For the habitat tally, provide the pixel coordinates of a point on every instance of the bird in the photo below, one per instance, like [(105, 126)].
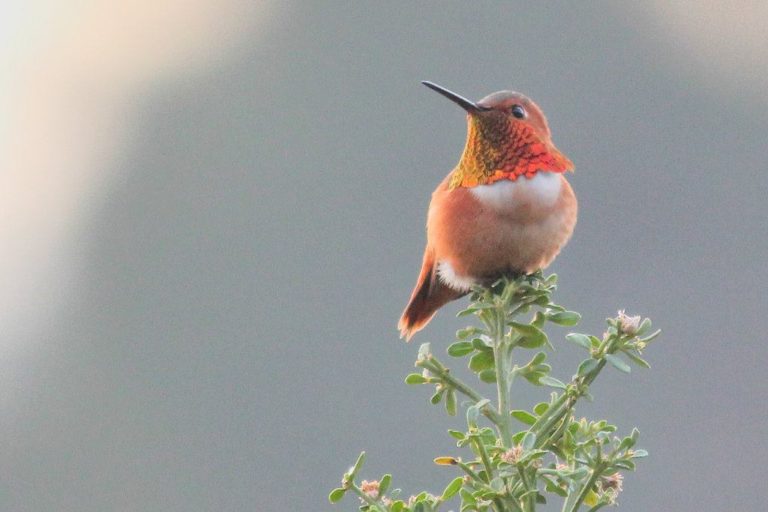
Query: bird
[(506, 208)]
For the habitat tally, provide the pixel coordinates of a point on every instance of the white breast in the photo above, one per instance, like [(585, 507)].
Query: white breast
[(543, 189)]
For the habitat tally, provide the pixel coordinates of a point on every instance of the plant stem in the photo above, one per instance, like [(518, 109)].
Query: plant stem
[(550, 417), (514, 503), (559, 431), (529, 504), (433, 366), (571, 403), (469, 471), (484, 457), (501, 358), (562, 407)]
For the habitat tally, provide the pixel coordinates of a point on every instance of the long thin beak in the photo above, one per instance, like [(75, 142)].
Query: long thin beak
[(469, 106)]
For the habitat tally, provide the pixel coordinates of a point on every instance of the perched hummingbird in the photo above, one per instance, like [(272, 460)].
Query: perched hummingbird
[(505, 209)]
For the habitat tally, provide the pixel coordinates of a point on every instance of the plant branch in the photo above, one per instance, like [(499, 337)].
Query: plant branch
[(501, 360), (569, 458), (444, 374), (529, 504), (469, 471), (480, 447)]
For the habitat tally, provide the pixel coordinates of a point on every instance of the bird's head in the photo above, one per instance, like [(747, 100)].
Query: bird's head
[(507, 138)]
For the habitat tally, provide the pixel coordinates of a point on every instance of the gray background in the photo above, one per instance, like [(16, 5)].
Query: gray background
[(229, 341)]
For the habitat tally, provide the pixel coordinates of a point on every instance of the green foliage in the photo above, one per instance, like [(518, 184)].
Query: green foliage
[(554, 455)]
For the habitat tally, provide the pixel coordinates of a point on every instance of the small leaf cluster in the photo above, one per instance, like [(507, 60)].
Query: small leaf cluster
[(376, 497), (518, 459)]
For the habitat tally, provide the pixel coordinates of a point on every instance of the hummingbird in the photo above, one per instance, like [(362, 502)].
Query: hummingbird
[(505, 209)]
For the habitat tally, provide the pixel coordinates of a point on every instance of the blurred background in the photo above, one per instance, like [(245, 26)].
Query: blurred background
[(213, 213)]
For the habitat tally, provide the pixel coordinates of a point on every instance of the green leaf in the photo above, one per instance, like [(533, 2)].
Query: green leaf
[(617, 363), (357, 466), (582, 340), (450, 402), (437, 397), (384, 484), (554, 488), (639, 361), (467, 498), (625, 464), (488, 376), (529, 440), (336, 495), (479, 344), (651, 336), (463, 334), (639, 454), (578, 474), (533, 341), (516, 438), (460, 348), (645, 326), (524, 416), (457, 435), (532, 336), (473, 413), (482, 403), (415, 378), (397, 506), (566, 318), (452, 488), (587, 366), (481, 361), (540, 408), (546, 380), (533, 454), (534, 377), (626, 443), (531, 492)]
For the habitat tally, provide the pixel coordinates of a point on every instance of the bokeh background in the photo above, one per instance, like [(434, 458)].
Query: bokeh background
[(212, 215)]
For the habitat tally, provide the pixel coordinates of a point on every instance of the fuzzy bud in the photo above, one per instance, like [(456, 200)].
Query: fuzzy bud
[(512, 455), (370, 488)]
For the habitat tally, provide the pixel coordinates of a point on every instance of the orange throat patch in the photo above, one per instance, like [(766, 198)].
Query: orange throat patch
[(492, 155)]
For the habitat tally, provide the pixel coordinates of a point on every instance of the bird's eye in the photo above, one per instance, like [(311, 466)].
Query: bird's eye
[(518, 111)]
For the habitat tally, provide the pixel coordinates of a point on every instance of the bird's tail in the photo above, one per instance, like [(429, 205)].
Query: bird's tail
[(429, 295)]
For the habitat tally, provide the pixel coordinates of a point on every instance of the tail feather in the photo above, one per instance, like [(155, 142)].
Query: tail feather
[(429, 295)]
